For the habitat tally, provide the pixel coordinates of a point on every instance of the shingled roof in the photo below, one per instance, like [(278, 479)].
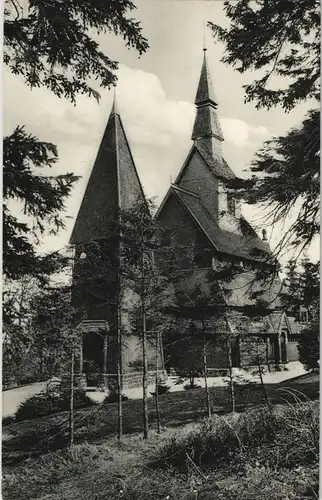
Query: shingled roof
[(215, 161), (245, 244), (113, 184), (205, 91), (237, 293), (206, 123)]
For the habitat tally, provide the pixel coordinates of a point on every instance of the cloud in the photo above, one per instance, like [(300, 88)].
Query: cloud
[(158, 130), (241, 134)]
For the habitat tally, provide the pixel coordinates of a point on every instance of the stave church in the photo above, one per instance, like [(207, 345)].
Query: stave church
[(201, 211)]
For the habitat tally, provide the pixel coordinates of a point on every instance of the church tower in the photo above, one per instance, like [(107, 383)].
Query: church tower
[(113, 185), (200, 209)]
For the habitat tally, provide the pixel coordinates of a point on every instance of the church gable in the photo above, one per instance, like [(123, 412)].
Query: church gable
[(184, 229), (198, 178), (244, 243)]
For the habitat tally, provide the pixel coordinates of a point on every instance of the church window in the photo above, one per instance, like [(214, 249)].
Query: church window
[(231, 204)]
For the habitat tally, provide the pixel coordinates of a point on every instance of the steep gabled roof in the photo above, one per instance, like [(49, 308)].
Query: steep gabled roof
[(114, 183), (216, 163), (245, 245)]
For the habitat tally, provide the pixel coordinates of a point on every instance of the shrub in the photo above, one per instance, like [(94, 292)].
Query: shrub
[(138, 365), (10, 419), (28, 379), (309, 346), (288, 436), (52, 400), (189, 386), (162, 389)]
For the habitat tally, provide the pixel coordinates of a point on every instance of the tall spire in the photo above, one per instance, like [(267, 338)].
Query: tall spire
[(206, 121), (115, 110), (114, 183)]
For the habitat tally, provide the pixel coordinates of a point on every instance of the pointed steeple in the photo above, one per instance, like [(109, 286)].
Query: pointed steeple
[(205, 91), (114, 183), (206, 123), (114, 110)]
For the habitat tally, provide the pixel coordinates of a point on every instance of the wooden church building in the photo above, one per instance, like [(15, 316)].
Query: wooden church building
[(113, 186), (200, 211)]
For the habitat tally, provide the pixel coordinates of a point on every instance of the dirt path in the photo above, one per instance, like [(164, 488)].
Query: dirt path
[(12, 398)]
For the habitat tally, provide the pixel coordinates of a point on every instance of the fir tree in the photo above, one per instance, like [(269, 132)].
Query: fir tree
[(51, 44), (280, 38)]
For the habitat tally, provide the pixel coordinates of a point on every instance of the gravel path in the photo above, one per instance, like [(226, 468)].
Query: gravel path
[(12, 398)]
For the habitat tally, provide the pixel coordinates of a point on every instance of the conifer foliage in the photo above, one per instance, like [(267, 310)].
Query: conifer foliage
[(281, 38), (303, 299), (42, 198), (51, 44)]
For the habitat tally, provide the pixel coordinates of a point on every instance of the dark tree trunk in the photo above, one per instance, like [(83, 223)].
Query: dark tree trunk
[(119, 378), (264, 388), (231, 378), (267, 354), (71, 401), (157, 409), (145, 375), (208, 405)]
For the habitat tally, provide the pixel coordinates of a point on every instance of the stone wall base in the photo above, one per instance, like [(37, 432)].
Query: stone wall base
[(130, 380)]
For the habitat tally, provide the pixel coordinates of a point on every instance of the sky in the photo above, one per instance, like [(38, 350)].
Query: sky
[(155, 95)]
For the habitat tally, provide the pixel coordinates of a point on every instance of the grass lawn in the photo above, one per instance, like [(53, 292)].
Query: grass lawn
[(247, 456), (95, 424)]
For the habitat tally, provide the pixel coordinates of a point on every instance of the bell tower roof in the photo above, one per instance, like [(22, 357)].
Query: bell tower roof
[(205, 91), (206, 122), (113, 184)]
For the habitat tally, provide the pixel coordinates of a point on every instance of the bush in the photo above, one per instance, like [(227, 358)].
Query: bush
[(162, 389), (28, 379), (288, 436), (8, 420), (309, 346), (50, 401), (189, 386), (138, 365)]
